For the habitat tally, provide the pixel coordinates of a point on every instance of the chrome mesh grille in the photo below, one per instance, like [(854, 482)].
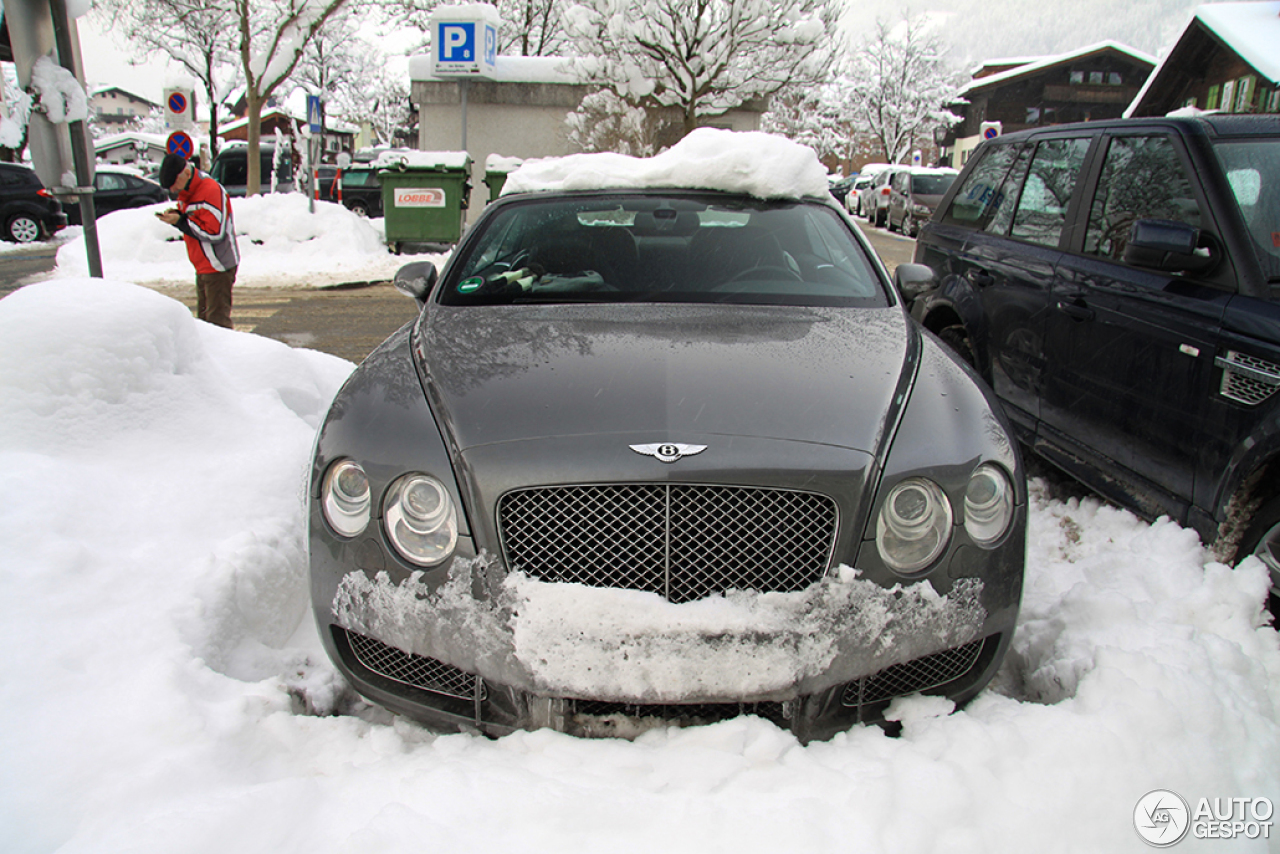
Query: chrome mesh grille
[(1248, 379), (692, 713), (683, 542), (913, 676), (418, 671)]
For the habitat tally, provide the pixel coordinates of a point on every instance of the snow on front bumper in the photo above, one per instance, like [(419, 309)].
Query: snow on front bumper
[(569, 640)]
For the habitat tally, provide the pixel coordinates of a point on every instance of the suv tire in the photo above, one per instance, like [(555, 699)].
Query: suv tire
[(1262, 538), (957, 339)]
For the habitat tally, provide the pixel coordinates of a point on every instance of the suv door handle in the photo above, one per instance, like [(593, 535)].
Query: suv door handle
[(1076, 310), (979, 277)]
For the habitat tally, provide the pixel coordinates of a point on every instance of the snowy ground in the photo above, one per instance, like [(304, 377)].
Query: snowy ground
[(282, 245), (162, 680)]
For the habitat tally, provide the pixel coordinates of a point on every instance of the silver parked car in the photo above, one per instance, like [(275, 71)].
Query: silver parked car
[(663, 456), (914, 194)]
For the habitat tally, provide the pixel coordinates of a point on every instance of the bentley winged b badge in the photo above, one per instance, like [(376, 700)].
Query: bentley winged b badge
[(668, 452)]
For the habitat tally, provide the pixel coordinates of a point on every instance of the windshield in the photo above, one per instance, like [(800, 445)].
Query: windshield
[(1253, 173), (668, 248)]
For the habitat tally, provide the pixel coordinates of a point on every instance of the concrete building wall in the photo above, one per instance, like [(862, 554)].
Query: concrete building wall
[(514, 119)]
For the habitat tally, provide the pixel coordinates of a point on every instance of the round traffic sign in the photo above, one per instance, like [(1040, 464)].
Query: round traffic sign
[(177, 102), (180, 143), (990, 133)]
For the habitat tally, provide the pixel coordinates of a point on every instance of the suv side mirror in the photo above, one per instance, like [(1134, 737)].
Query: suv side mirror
[(1171, 247), (416, 280), (912, 280)]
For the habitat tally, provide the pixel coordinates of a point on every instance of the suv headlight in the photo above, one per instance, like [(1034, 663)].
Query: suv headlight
[(344, 498), (914, 524), (921, 210), (988, 504), (421, 519)]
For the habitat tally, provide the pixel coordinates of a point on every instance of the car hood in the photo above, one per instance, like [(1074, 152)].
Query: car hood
[(659, 373)]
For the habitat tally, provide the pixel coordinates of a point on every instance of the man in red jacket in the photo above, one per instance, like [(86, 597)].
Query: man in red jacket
[(203, 215)]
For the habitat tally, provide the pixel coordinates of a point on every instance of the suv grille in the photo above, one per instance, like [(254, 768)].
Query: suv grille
[(911, 677), (682, 542), (1247, 379), (418, 671)]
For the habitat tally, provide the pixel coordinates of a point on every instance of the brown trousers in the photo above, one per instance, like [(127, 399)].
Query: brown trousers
[(213, 297)]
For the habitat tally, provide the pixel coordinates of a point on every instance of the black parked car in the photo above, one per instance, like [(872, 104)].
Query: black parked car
[(1118, 284), (28, 212), (118, 189), (662, 455), (361, 192)]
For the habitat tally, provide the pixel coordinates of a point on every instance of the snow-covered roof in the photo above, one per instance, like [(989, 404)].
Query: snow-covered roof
[(1251, 29), (759, 164), (1051, 61), (106, 90), (116, 140), (330, 125), (507, 69)]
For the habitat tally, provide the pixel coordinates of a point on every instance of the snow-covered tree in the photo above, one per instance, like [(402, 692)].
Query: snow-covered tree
[(811, 116), (382, 103), (699, 57), (896, 85), (198, 35), (272, 37), (605, 122)]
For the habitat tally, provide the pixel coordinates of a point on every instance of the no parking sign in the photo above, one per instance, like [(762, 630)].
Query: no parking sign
[(179, 107), (180, 143)]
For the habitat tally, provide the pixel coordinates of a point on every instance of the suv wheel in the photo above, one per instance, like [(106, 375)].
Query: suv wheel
[(909, 226), (957, 339), (1262, 539), (359, 209), (23, 228)]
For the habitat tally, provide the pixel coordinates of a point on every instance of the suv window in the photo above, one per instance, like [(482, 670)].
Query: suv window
[(1253, 174), (1142, 178), (1046, 193), (982, 196)]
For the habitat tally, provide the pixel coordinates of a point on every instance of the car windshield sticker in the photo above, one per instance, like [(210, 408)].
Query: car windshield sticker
[(467, 286)]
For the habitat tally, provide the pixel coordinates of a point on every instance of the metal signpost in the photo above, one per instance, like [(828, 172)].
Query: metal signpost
[(466, 47), (314, 142)]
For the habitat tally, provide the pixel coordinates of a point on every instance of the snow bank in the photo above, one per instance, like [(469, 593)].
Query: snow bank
[(759, 164), (281, 244), (160, 685)]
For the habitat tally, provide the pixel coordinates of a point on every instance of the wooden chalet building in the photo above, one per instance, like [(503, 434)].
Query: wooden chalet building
[(1227, 59)]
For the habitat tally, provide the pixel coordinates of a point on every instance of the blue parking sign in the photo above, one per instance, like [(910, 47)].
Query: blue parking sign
[(456, 43)]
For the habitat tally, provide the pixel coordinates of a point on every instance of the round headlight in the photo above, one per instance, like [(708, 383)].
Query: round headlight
[(344, 498), (914, 524), (421, 520), (988, 504)]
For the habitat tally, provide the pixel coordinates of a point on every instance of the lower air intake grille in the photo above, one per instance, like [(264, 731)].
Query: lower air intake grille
[(683, 542), (913, 676), (417, 671), (697, 713)]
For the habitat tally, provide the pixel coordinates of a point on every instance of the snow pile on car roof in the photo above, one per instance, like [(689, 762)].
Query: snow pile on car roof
[(758, 164)]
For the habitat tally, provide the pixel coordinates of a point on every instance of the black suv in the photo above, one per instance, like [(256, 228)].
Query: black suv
[(1118, 285), (28, 211)]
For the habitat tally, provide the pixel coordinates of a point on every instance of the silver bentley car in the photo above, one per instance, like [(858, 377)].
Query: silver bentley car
[(657, 457)]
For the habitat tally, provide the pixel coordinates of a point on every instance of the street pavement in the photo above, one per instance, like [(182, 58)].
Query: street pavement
[(347, 322)]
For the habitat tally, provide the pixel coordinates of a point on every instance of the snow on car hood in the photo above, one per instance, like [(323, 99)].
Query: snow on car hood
[(610, 644), (513, 373)]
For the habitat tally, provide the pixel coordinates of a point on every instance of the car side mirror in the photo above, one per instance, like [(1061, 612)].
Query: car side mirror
[(912, 280), (1171, 247), (416, 280)]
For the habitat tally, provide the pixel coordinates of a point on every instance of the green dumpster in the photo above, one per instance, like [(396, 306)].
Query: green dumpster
[(494, 181), (496, 169), (424, 197)]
